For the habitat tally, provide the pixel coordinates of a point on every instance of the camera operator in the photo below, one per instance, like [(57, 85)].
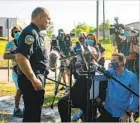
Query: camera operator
[(125, 48), (134, 51), (68, 44), (116, 30)]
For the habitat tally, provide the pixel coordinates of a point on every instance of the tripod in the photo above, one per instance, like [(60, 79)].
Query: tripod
[(57, 85)]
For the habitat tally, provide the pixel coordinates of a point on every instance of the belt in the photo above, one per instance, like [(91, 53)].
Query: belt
[(45, 73), (40, 72)]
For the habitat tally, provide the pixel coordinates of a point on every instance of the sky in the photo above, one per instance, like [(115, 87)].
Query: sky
[(66, 14)]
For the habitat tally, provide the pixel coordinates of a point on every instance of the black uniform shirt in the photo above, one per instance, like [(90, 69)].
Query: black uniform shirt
[(32, 46)]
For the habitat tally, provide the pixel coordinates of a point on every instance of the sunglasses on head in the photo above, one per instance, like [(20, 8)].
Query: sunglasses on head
[(89, 38), (16, 31)]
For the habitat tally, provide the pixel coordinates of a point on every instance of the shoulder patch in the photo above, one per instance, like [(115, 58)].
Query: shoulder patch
[(29, 39)]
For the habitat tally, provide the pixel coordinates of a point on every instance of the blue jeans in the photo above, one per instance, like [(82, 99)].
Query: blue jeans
[(15, 79)]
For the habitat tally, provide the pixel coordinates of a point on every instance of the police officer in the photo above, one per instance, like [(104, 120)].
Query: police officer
[(33, 62)]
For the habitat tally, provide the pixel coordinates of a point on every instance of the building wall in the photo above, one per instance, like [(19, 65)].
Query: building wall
[(13, 22), (135, 25)]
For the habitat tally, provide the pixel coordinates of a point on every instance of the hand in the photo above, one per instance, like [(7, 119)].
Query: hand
[(37, 84), (124, 118)]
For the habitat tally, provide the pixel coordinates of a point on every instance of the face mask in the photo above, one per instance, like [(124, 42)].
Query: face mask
[(126, 33), (115, 65), (90, 42), (16, 35)]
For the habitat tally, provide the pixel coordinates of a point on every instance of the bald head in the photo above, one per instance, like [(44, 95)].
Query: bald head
[(37, 11), (40, 16)]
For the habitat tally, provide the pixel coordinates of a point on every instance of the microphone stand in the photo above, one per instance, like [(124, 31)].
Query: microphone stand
[(107, 74), (102, 70), (56, 89), (70, 99), (90, 79)]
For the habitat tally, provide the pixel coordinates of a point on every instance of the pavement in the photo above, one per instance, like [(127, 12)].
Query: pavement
[(7, 104)]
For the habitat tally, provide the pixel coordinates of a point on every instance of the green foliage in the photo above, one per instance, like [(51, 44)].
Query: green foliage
[(106, 26), (105, 41), (91, 30), (109, 48), (50, 30), (2, 46), (74, 40), (109, 51), (83, 28)]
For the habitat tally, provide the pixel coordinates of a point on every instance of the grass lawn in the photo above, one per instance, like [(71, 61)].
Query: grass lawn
[(3, 63), (8, 89), (109, 51), (2, 46)]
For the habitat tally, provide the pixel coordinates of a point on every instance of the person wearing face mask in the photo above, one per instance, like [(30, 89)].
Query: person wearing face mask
[(134, 53), (61, 42), (125, 48), (120, 103), (91, 39), (10, 54), (90, 43)]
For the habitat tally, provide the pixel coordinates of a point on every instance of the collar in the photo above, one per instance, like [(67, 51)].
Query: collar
[(35, 27)]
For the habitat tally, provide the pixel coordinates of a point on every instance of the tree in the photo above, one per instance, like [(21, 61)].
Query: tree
[(50, 30), (91, 30), (83, 28), (106, 26)]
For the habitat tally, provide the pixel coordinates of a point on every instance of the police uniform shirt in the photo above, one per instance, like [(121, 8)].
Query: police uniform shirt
[(32, 46)]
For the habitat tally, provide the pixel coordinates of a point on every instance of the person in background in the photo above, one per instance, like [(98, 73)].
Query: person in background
[(134, 52), (54, 42), (68, 42), (10, 51), (125, 48), (63, 52)]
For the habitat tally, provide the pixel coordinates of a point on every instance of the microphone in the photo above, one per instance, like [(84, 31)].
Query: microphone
[(101, 69)]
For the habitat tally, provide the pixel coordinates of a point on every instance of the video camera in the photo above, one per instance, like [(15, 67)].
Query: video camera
[(67, 39), (135, 37), (117, 28)]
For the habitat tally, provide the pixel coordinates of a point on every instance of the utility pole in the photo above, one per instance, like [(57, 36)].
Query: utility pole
[(8, 35), (74, 28), (104, 19), (97, 20)]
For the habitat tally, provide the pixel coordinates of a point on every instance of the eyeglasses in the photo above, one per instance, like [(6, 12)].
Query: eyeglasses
[(16, 31)]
